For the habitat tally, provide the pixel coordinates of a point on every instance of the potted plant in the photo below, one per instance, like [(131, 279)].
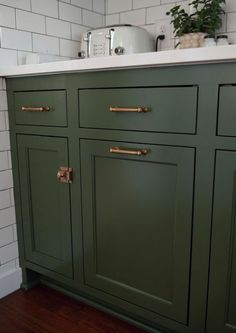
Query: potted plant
[(204, 18)]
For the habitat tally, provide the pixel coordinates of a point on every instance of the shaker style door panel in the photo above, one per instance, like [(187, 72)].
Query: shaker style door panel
[(222, 294), (45, 203), (137, 221)]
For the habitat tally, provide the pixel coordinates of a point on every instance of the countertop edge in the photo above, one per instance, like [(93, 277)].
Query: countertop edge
[(218, 54)]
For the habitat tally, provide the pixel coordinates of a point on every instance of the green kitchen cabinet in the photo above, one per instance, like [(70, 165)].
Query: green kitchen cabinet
[(137, 221), (222, 293), (146, 228), (45, 203)]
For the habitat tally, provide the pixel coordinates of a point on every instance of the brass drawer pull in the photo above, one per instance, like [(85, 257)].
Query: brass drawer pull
[(120, 150), (32, 109), (138, 109)]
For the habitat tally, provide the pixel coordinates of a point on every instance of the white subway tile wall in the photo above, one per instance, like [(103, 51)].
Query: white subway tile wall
[(112, 19), (58, 28), (151, 15), (134, 17), (7, 17), (45, 44), (44, 27), (27, 21), (93, 20), (83, 3), (45, 7), (15, 39), (7, 57), (70, 13), (8, 238), (68, 47), (22, 4), (77, 31), (99, 6)]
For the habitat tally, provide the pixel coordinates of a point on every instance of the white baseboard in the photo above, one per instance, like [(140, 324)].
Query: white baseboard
[(10, 282)]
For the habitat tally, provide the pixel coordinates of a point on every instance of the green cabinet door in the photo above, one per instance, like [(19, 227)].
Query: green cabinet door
[(45, 203), (137, 221), (222, 292)]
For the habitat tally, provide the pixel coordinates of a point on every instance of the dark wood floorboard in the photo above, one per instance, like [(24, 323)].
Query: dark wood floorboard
[(43, 310)]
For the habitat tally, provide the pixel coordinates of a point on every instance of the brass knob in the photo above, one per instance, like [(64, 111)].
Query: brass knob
[(61, 174), (64, 175)]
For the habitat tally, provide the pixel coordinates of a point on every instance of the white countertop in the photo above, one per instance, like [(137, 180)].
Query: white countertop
[(216, 54)]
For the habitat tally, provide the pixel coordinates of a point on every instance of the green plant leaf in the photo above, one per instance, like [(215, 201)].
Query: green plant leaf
[(206, 18)]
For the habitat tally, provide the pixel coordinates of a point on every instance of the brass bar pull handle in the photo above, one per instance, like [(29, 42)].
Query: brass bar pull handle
[(138, 109), (120, 150), (34, 109), (64, 175)]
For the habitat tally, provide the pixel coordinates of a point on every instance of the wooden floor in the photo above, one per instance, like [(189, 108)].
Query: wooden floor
[(43, 310)]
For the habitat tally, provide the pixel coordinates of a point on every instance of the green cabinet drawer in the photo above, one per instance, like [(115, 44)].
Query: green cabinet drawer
[(170, 109), (227, 114), (41, 108)]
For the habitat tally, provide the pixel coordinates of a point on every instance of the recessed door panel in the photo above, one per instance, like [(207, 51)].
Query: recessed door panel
[(222, 292), (137, 224), (45, 203)]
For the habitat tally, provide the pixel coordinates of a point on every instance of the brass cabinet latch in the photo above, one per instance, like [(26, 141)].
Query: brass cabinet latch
[(64, 175)]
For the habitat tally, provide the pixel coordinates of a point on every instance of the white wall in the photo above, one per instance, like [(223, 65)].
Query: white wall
[(151, 14), (51, 28), (10, 276)]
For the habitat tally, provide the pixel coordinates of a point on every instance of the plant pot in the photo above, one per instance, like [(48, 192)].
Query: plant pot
[(192, 40)]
